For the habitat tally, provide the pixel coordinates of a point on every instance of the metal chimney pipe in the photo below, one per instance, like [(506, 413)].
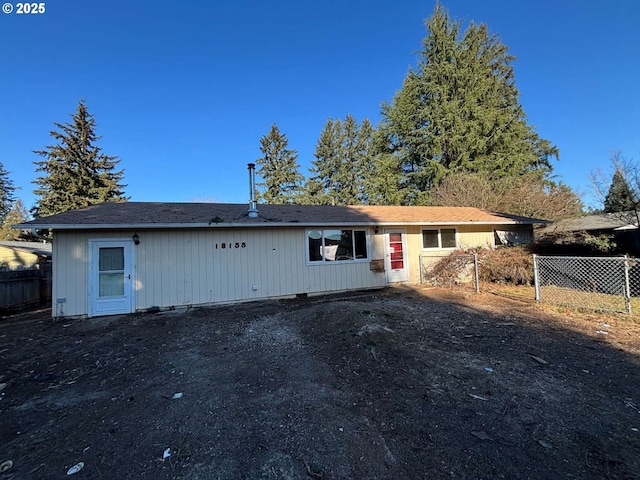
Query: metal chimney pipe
[(253, 210)]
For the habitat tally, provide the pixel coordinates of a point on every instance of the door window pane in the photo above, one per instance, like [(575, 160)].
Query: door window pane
[(395, 251), (111, 258), (111, 284), (111, 272)]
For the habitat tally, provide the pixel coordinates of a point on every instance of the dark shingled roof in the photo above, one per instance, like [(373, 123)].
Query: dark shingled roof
[(599, 222), (180, 215)]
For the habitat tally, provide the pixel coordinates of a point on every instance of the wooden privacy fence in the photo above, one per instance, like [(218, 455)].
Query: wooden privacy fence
[(23, 287)]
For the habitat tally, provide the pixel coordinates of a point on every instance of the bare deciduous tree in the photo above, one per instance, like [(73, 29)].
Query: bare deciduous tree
[(528, 195)]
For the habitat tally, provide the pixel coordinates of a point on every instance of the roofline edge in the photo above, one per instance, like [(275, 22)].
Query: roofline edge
[(149, 226)]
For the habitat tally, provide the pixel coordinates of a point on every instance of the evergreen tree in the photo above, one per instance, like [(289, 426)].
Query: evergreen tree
[(323, 184), (76, 173), (7, 189), (343, 169), (279, 169), (619, 197), (18, 214), (459, 111), (366, 157), (387, 186), (350, 169)]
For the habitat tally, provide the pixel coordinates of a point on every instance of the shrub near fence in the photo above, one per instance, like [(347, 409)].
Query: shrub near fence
[(595, 283), (455, 269), (23, 287)]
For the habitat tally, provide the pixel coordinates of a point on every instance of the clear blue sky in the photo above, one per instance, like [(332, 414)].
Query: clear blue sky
[(182, 91)]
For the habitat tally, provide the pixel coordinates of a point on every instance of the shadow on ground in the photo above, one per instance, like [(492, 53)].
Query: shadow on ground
[(383, 385)]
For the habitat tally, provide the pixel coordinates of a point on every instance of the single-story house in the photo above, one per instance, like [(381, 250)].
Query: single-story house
[(597, 224), (125, 257), (621, 227), (16, 254)]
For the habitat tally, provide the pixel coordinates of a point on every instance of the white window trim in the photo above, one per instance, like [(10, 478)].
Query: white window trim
[(367, 233), (439, 247)]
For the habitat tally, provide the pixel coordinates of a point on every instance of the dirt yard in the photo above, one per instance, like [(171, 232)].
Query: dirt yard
[(394, 384)]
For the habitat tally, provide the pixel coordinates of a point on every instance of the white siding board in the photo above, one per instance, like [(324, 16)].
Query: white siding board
[(209, 268), (223, 271), (176, 268), (69, 267), (70, 270), (238, 286), (167, 274), (201, 261), (183, 264), (140, 289)]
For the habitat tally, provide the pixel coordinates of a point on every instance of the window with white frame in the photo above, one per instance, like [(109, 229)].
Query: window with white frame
[(439, 238), (327, 246)]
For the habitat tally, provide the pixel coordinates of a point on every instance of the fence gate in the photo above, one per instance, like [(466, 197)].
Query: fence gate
[(450, 270), (595, 283)]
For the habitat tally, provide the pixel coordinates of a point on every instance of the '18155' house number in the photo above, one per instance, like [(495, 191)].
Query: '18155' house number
[(231, 245)]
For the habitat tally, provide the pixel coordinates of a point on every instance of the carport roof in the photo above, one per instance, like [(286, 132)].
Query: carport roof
[(191, 215)]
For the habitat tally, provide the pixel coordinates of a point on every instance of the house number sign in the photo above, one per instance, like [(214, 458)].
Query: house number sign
[(231, 245)]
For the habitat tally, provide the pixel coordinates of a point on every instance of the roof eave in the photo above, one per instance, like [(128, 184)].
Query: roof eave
[(147, 226)]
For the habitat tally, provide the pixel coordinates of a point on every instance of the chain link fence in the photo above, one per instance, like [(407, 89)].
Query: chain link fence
[(450, 270), (595, 283)]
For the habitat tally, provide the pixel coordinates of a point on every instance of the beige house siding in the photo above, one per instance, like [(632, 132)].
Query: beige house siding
[(473, 236), (180, 267), (467, 236), (191, 267), (70, 274)]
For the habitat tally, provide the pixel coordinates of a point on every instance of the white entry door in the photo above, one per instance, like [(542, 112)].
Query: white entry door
[(110, 277), (396, 255)]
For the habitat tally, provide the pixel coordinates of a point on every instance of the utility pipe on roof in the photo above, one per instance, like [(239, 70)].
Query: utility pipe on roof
[(253, 210)]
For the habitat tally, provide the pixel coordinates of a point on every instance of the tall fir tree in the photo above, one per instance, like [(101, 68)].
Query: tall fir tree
[(365, 160), (7, 189), (342, 171), (349, 170), (323, 184), (279, 169), (620, 197), (459, 111), (76, 172)]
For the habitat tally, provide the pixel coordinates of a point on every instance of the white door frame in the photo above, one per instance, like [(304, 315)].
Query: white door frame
[(398, 274), (111, 305)]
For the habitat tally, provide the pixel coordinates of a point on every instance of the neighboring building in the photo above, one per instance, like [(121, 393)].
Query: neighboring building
[(602, 223), (25, 274), (15, 254), (621, 227), (124, 257)]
